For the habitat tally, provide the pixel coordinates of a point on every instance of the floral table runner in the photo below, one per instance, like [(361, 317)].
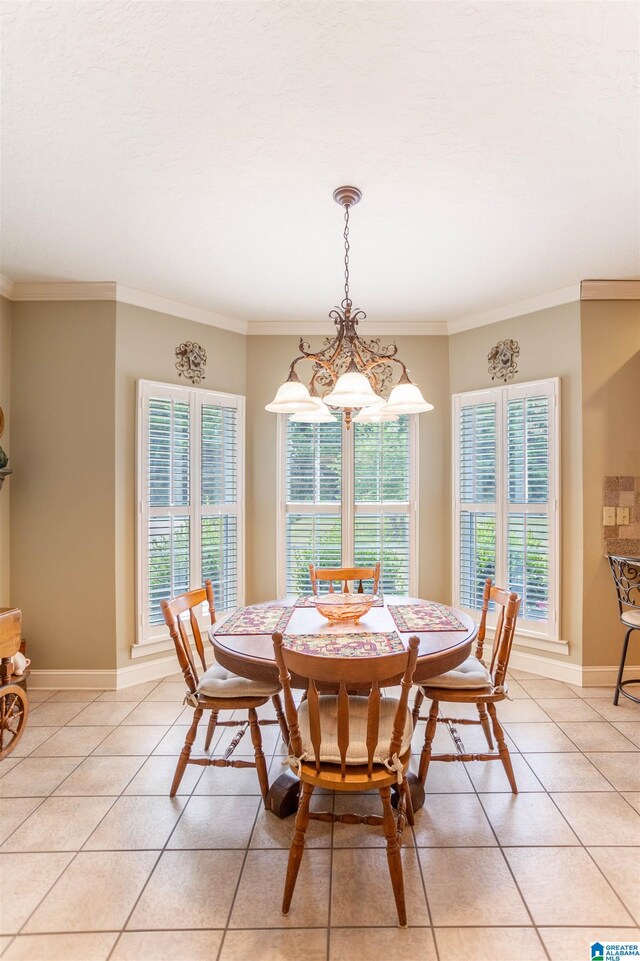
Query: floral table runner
[(256, 620), (425, 617), (344, 645), (304, 600)]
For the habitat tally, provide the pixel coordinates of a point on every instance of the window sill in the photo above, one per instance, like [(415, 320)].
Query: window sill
[(534, 642)]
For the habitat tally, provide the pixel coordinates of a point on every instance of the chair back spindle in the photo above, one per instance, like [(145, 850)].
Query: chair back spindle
[(343, 575), (482, 629), (508, 605), (173, 611)]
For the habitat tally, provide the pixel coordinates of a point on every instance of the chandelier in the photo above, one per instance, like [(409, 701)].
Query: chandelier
[(349, 373)]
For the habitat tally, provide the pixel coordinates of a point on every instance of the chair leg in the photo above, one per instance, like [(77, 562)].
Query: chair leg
[(616, 696), (486, 725), (185, 753), (394, 858), (408, 802), (297, 845), (261, 764), (417, 704), (425, 757), (284, 729), (503, 750), (211, 726)]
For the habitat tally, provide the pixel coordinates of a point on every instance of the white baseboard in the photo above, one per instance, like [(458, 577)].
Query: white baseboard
[(112, 680), (549, 667), (600, 676)]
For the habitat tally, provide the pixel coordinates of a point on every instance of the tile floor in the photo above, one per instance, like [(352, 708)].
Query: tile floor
[(97, 862)]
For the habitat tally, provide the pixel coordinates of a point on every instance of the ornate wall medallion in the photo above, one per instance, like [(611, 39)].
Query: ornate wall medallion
[(502, 360), (192, 360)]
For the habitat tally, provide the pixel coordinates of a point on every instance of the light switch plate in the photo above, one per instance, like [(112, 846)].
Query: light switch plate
[(609, 516), (622, 516)]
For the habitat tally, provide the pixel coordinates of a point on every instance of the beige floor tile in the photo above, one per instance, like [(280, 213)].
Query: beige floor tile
[(524, 675), (59, 824), (54, 713), (539, 737), (13, 811), (621, 868), (622, 769), (445, 778), (231, 780), (572, 944), (8, 763), (273, 832), (24, 881), (292, 945), (150, 712), (37, 776), (365, 870), (529, 819), (630, 729), (517, 692), (453, 821), (567, 772), (174, 738), (136, 823), (100, 775), (85, 696), (568, 709), (523, 710), (258, 902), (499, 944), (596, 736), (61, 947), (137, 692), (38, 694), (624, 711), (186, 880), (457, 898), (72, 741), (563, 886), (490, 775), (222, 822), (131, 740), (633, 797), (95, 893), (601, 692), (156, 775), (104, 712), (545, 688), (32, 738), (168, 946), (168, 692), (600, 818), (381, 944)]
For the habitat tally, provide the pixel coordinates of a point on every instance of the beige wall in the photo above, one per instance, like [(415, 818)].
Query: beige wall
[(62, 496), (268, 359), (5, 443), (611, 442), (145, 350), (549, 347)]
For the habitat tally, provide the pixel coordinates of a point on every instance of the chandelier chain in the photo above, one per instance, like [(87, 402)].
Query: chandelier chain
[(347, 248)]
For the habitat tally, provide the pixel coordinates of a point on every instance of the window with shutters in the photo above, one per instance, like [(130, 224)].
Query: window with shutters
[(506, 510), (348, 497), (190, 494)]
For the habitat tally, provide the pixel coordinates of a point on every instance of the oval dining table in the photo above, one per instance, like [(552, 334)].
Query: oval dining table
[(252, 656)]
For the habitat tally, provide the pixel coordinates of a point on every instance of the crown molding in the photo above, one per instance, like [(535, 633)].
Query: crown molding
[(6, 287), (163, 305), (610, 290), (368, 328), (555, 298), (64, 291)]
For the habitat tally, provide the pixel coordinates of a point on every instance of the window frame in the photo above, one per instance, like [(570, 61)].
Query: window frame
[(346, 508), (148, 634), (500, 396)]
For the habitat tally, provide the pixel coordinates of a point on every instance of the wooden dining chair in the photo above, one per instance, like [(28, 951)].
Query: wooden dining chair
[(474, 683), (217, 690), (352, 743), (345, 574)]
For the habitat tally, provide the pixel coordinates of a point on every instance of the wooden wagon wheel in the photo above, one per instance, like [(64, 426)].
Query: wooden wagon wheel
[(14, 709)]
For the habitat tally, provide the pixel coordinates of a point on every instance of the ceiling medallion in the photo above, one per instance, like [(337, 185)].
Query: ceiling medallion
[(502, 360), (349, 373), (192, 360)]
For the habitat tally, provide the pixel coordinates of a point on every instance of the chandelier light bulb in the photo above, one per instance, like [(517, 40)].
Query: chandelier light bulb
[(292, 397), (352, 389), (406, 398)]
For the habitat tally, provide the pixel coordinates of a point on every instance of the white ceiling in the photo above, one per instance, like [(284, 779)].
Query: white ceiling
[(191, 150)]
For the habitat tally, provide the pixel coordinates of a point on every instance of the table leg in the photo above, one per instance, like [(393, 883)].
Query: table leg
[(282, 799), (416, 788)]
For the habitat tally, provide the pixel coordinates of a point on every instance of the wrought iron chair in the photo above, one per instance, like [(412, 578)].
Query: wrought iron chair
[(626, 577)]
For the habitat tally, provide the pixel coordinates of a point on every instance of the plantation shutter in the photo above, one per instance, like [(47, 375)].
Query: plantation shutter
[(190, 486), (505, 499)]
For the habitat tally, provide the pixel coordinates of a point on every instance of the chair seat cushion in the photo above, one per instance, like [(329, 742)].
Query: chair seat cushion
[(357, 750), (631, 618), (218, 682), (471, 673)]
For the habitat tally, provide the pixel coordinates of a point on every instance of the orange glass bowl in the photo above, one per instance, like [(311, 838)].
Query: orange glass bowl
[(343, 607)]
